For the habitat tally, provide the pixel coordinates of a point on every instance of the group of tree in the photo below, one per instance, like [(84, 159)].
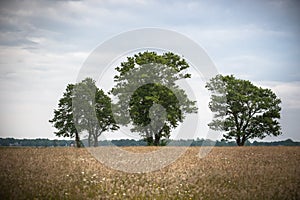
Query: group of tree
[(83, 108), (40, 142), (149, 99)]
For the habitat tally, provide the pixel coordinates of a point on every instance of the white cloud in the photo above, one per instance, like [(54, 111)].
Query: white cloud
[(288, 92)]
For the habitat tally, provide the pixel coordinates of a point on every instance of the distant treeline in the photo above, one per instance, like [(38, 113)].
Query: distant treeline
[(126, 142)]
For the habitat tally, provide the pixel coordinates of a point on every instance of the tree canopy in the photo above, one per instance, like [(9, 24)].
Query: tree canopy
[(93, 107), (148, 96), (63, 119), (242, 110), (83, 107)]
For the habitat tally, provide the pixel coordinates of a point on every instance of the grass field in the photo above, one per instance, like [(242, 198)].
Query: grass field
[(225, 173)]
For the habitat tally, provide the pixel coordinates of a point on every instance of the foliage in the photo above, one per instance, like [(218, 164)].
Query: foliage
[(243, 110), (93, 109), (83, 107), (148, 97), (130, 142), (63, 119)]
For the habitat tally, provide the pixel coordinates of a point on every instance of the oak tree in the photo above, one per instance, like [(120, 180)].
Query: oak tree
[(149, 98), (83, 107), (63, 119), (242, 110), (93, 107)]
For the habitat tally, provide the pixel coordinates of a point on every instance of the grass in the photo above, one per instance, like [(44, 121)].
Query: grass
[(225, 173)]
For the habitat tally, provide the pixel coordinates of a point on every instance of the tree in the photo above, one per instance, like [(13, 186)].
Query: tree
[(93, 107), (148, 97), (243, 110), (63, 119), (83, 107)]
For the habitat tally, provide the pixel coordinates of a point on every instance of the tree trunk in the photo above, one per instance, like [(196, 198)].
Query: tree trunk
[(240, 142), (243, 140), (89, 140), (156, 140), (95, 140), (77, 140), (149, 138)]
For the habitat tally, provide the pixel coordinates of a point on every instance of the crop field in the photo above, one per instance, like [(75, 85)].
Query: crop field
[(225, 173)]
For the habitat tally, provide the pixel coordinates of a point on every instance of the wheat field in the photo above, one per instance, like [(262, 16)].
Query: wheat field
[(225, 173)]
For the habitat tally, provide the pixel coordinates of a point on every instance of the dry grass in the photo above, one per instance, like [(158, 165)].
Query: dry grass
[(226, 173)]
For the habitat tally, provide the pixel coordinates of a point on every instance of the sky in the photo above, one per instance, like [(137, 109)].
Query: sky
[(43, 45)]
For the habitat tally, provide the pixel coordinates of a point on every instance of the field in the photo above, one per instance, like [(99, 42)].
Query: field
[(225, 173)]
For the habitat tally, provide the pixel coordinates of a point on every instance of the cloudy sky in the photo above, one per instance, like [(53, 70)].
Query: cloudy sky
[(44, 44)]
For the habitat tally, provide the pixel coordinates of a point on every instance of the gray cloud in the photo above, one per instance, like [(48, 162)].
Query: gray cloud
[(44, 43)]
